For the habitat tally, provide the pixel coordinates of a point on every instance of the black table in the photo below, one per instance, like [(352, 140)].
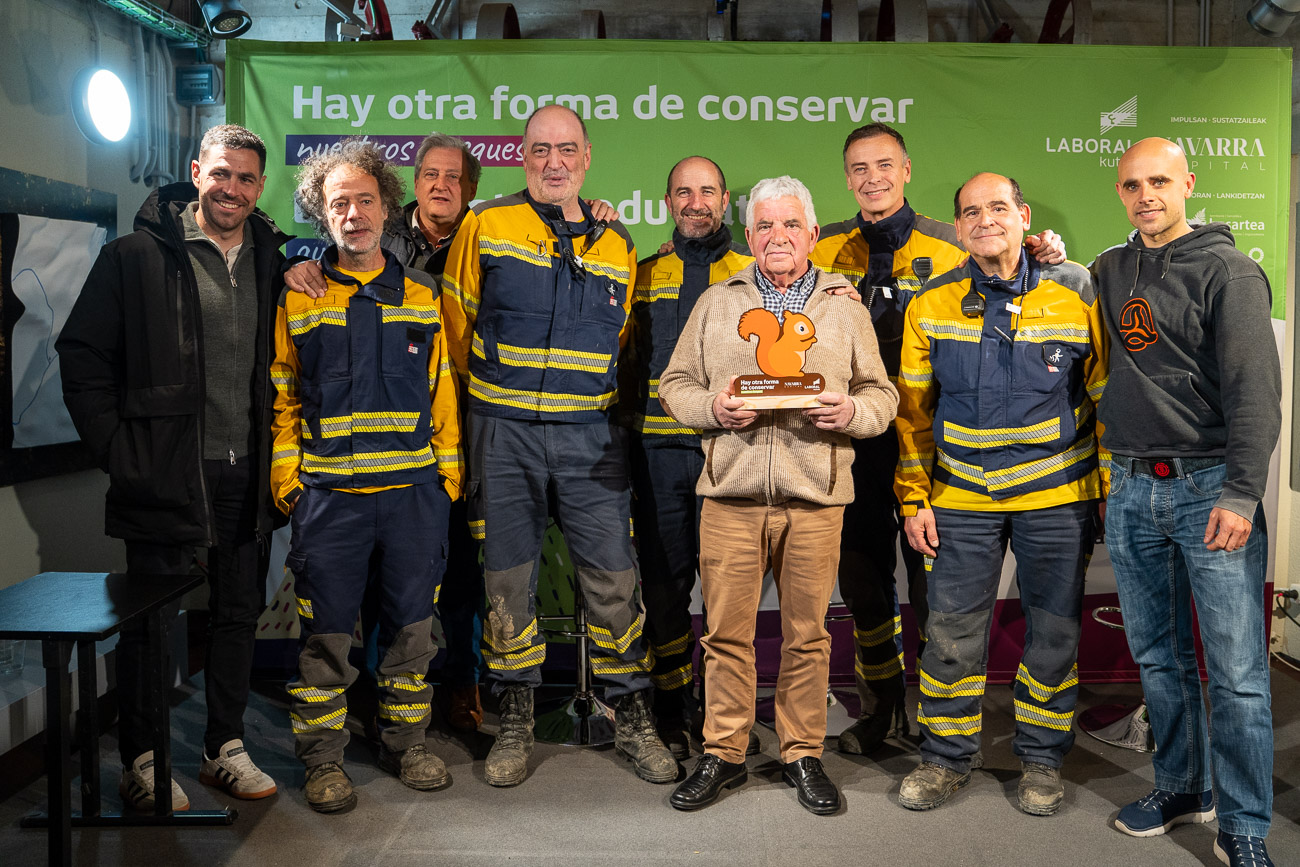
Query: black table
[(62, 609)]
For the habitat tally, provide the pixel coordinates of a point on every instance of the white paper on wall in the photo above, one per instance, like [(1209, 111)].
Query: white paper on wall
[(50, 264)]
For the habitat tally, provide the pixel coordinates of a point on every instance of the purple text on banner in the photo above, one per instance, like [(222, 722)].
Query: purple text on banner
[(497, 150), (400, 150)]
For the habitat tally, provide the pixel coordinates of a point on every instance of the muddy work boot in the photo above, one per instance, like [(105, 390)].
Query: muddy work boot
[(1040, 789), (328, 788), (415, 767), (507, 762), (929, 786), (636, 739)]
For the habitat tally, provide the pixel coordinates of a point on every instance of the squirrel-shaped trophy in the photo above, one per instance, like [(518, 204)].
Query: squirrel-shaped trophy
[(781, 353)]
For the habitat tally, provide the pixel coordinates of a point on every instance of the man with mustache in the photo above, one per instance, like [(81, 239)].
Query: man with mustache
[(367, 461), (165, 362), (538, 293), (1192, 412), (1002, 362), (878, 249)]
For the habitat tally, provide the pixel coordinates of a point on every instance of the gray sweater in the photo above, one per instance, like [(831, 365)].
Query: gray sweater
[(1194, 368), (782, 455), (228, 305)]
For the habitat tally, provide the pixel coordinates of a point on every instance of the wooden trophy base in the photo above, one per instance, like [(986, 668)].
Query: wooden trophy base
[(785, 392)]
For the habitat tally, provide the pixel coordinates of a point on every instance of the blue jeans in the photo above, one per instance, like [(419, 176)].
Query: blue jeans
[(1154, 531)]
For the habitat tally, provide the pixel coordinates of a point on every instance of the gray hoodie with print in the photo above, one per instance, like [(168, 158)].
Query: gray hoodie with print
[(1194, 368)]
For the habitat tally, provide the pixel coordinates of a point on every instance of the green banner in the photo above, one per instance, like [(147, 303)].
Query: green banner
[(1054, 117)]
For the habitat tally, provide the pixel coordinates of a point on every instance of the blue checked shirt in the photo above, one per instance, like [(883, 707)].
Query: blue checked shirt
[(792, 300)]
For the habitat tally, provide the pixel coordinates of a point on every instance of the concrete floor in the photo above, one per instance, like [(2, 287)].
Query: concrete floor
[(583, 806)]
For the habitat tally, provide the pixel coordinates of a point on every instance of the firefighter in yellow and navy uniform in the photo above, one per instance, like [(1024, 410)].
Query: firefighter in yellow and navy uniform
[(998, 383), (879, 258), (367, 461), (536, 312), (667, 460)]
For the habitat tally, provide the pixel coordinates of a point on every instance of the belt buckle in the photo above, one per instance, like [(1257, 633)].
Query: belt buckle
[(1163, 468)]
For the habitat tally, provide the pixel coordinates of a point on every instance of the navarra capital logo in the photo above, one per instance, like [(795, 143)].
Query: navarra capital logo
[(1124, 115)]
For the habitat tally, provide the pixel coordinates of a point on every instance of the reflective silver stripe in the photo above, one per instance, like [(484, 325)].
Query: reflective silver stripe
[(563, 359), (1046, 718), (502, 247), (967, 686), (882, 633), (368, 422), (508, 645), (423, 313), (604, 638), (1061, 333), (308, 319), (538, 401), (656, 292), (1027, 472), (1042, 432), (332, 720), (607, 269), (345, 465), (950, 329)]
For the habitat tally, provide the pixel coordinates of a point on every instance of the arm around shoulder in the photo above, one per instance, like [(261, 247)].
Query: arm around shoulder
[(685, 389)]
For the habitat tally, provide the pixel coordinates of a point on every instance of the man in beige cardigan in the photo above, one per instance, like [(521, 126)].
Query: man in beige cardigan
[(775, 484)]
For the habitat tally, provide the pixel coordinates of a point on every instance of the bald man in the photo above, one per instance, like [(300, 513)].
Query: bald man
[(1191, 415), (536, 300)]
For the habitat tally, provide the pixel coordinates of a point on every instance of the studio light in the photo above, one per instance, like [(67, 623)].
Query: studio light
[(226, 19), (101, 106), (1273, 17)]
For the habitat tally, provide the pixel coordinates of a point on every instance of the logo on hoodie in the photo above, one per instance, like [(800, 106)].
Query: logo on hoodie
[(1137, 326)]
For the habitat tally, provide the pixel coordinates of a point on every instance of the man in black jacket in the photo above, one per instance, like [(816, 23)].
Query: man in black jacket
[(166, 373)]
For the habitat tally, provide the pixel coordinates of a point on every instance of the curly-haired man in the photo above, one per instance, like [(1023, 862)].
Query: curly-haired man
[(366, 462)]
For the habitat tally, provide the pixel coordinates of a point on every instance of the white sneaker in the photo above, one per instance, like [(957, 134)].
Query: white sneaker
[(235, 772), (136, 786)]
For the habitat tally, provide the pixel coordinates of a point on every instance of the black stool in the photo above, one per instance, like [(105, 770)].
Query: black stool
[(582, 719)]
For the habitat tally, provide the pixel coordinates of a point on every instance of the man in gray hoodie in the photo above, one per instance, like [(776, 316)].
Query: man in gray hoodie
[(1191, 414)]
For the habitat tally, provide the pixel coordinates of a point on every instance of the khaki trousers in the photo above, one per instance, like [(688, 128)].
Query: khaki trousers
[(740, 540)]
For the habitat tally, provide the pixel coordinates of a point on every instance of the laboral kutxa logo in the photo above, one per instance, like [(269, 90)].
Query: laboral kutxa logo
[(1108, 148), (1125, 115)]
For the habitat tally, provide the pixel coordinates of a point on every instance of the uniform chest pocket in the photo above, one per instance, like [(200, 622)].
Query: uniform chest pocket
[(321, 338), (1049, 353), (406, 347), (602, 300)]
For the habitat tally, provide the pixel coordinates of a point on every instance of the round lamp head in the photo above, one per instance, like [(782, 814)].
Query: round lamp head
[(101, 106), (226, 19)]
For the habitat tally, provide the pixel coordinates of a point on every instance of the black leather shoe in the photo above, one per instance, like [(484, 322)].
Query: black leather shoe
[(706, 782), (817, 793)]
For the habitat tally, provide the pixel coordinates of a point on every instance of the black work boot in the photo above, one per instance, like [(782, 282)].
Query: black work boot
[(671, 723), (867, 735), (507, 761), (636, 739)]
